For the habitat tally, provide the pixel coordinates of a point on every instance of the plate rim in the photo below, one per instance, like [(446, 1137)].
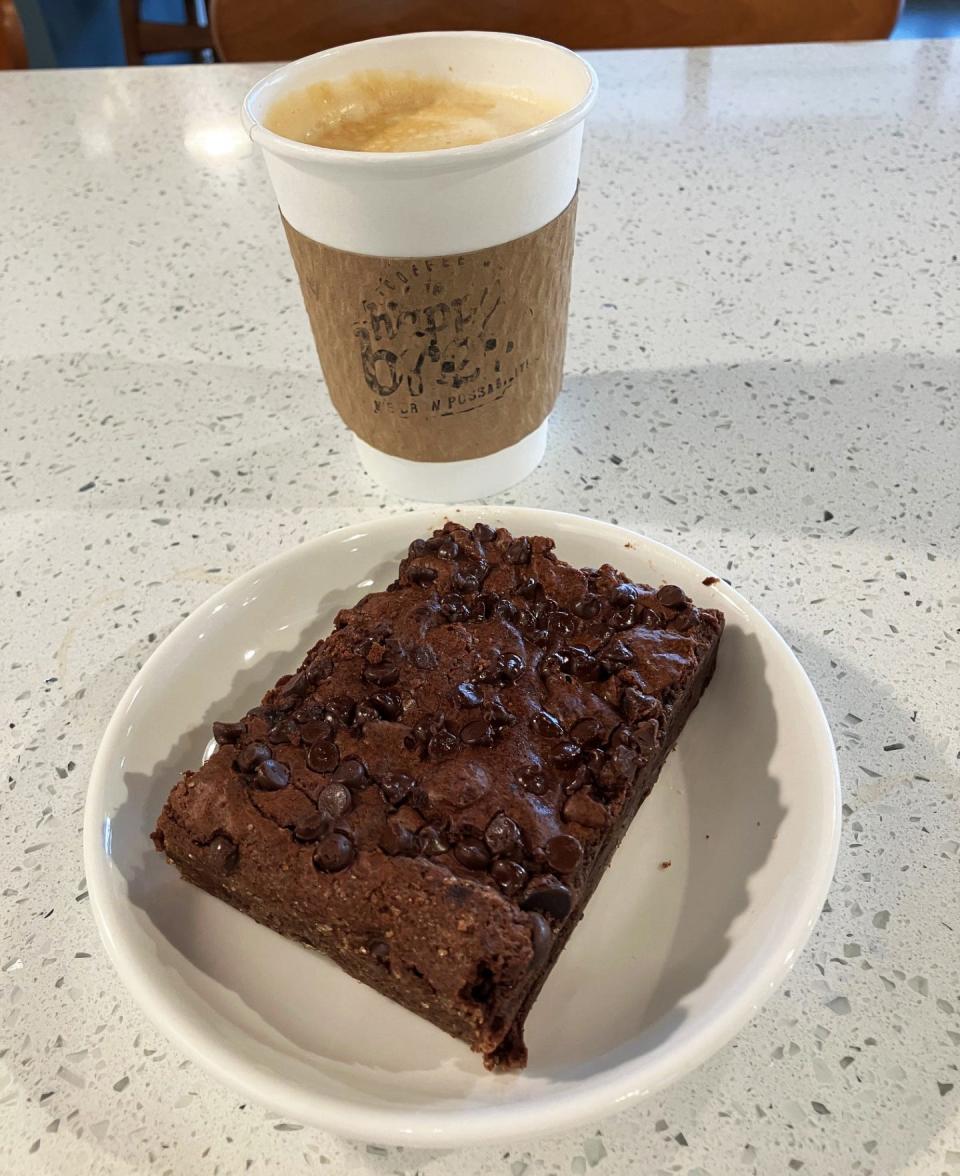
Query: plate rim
[(588, 1100)]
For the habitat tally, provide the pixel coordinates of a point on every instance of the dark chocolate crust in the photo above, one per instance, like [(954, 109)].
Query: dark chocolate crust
[(433, 796)]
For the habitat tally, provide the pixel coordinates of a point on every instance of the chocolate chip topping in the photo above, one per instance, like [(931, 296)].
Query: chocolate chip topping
[(510, 876), (432, 841), (271, 776), (227, 732), (468, 695), (421, 574), (477, 733), (333, 852), (312, 829), (334, 801), (323, 757), (518, 551), (587, 732), (225, 853), (501, 716), (351, 772), (382, 673), (546, 724), (563, 853), (547, 896), (249, 757), (503, 836), (396, 787), (533, 779), (397, 840), (671, 596), (472, 853), (588, 607)]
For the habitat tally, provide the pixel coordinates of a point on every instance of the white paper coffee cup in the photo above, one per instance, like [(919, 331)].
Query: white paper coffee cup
[(429, 205)]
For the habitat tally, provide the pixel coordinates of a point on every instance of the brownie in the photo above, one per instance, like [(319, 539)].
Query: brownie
[(434, 794)]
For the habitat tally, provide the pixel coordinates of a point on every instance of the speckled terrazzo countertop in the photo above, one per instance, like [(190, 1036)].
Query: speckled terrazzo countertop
[(763, 370)]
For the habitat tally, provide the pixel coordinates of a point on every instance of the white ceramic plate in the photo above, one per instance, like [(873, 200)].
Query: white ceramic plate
[(666, 965)]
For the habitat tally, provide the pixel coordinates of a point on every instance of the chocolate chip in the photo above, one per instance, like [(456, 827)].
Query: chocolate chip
[(271, 776), (283, 732), (636, 705), (472, 853), (389, 706), (554, 662), (509, 668), (566, 754), (672, 596), (587, 731), (421, 575), (380, 950), (341, 709), (547, 896), (334, 801), (543, 723), (503, 836), (560, 625), (476, 733), (464, 583), (588, 607), (542, 938), (582, 809), (484, 532), (532, 779), (647, 732), (498, 714), (432, 841), (468, 695), (251, 756), (448, 549), (227, 732), (366, 712), (506, 610), (510, 876), (396, 787), (383, 673), (312, 829), (623, 763), (397, 840), (528, 587), (563, 853), (518, 551), (649, 619), (351, 772), (423, 657), (417, 548), (334, 852), (224, 853), (618, 654), (454, 608), (442, 745), (323, 756), (623, 595), (580, 779)]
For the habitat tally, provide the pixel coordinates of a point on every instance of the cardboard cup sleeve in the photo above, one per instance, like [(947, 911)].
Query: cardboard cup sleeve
[(439, 359)]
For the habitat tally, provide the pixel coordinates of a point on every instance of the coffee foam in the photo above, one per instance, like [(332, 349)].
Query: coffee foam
[(376, 110)]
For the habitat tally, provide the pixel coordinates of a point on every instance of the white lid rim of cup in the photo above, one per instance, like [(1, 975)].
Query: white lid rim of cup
[(444, 159)]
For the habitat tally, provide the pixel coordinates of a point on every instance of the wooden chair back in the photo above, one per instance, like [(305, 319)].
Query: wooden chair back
[(143, 37), (251, 30), (13, 48)]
